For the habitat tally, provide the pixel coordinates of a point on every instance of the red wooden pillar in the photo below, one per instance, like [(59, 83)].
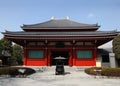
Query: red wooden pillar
[(95, 54), (46, 56), (70, 58), (25, 56), (48, 59), (73, 55)]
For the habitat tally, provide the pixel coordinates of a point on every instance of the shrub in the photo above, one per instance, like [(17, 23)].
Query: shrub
[(4, 71), (13, 71), (105, 71)]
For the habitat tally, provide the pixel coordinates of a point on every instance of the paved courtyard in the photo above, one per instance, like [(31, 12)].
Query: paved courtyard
[(73, 77)]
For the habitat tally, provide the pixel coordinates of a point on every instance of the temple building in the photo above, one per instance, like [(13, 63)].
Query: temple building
[(77, 42)]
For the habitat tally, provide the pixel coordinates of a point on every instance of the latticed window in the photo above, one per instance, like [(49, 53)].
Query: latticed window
[(84, 54), (35, 53)]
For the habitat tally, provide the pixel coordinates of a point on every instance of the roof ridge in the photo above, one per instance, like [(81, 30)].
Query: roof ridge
[(66, 18)]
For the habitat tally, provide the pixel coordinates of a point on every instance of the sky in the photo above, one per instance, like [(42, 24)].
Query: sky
[(15, 13)]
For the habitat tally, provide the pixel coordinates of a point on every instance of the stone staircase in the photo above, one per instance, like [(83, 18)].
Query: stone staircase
[(48, 73), (52, 68), (67, 68)]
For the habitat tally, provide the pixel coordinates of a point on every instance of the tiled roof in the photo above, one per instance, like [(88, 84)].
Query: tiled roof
[(90, 33), (104, 51), (60, 23), (100, 37)]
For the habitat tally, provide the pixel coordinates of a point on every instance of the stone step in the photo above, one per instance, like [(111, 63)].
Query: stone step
[(67, 68), (52, 68)]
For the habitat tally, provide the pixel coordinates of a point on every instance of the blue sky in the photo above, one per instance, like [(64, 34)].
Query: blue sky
[(15, 13)]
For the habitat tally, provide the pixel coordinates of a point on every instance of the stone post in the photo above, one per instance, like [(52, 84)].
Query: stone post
[(112, 60), (99, 61)]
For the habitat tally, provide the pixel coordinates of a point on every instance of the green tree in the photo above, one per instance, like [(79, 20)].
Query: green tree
[(6, 46), (116, 48), (17, 53)]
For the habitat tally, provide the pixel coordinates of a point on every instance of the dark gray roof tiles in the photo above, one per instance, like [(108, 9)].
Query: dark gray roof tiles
[(60, 23), (104, 51), (90, 33)]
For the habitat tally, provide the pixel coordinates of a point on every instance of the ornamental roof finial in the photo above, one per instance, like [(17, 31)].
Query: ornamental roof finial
[(52, 18), (67, 17)]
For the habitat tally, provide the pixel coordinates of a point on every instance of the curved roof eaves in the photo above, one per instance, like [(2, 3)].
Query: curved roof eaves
[(59, 23)]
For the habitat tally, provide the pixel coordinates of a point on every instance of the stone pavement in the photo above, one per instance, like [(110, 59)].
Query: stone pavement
[(74, 77), (71, 72)]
